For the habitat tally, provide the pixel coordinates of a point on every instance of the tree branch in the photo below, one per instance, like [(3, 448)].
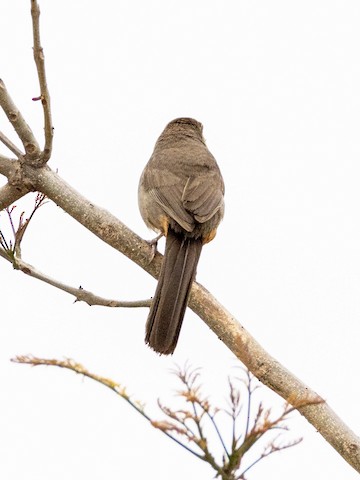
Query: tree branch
[(6, 165), (116, 234), (80, 294), (268, 370), (271, 373), (9, 144), (9, 195), (16, 119), (44, 95), (10, 250), (15, 187)]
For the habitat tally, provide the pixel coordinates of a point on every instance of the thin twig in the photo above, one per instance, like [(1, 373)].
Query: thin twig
[(235, 411), (211, 417), (10, 145), (3, 243), (12, 254), (114, 386), (271, 448), (9, 212), (23, 225), (249, 392), (178, 426), (16, 119), (80, 294), (45, 96)]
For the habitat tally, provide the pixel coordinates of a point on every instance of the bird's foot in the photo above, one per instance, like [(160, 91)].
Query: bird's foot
[(153, 244)]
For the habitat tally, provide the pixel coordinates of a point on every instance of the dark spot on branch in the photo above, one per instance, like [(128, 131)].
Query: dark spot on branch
[(13, 116)]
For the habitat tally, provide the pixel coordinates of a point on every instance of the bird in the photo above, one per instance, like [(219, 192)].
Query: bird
[(181, 196)]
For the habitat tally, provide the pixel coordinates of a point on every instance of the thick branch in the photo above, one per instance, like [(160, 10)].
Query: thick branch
[(271, 373), (18, 122), (226, 327), (99, 221), (16, 186), (10, 194), (6, 165)]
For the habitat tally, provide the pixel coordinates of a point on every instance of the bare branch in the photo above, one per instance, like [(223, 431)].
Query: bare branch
[(10, 145), (44, 92), (98, 220), (6, 165), (269, 449), (271, 373), (11, 251), (181, 421), (218, 433), (268, 370), (225, 326), (235, 409), (80, 294), (16, 119)]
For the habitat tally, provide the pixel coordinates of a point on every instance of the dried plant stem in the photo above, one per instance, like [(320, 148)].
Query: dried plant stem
[(178, 427), (70, 364)]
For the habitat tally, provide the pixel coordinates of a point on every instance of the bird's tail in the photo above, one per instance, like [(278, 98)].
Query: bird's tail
[(170, 300)]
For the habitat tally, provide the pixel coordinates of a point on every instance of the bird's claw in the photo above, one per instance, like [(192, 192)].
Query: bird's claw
[(153, 244)]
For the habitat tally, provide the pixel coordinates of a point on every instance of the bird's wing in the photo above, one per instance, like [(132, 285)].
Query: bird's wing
[(187, 200), (203, 195), (167, 190)]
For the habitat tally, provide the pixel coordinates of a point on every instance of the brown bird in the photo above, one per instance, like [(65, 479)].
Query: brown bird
[(181, 195)]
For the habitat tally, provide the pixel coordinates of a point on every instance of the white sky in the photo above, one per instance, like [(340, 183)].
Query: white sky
[(276, 85)]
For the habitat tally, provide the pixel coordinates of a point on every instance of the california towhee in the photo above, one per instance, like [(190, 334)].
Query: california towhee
[(181, 195)]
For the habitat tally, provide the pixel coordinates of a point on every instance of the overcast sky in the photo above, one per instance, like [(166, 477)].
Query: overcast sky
[(276, 85)]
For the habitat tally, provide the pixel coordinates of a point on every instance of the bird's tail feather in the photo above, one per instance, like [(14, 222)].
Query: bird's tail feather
[(170, 300)]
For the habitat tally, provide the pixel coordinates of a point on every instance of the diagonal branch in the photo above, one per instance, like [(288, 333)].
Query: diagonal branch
[(80, 294), (268, 370), (16, 119), (10, 145)]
